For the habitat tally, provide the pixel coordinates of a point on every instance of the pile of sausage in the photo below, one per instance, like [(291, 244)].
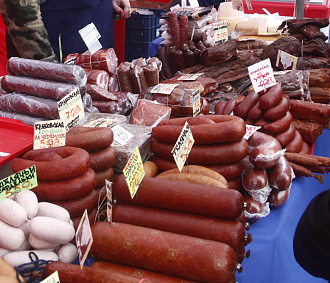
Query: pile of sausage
[(28, 225), (219, 144), (270, 111), (64, 178), (33, 88)]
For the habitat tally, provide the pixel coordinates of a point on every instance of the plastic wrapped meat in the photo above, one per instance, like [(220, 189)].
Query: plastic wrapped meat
[(26, 119), (97, 77), (38, 87), (113, 83), (151, 74), (104, 59), (47, 70), (149, 113), (122, 106), (31, 105)]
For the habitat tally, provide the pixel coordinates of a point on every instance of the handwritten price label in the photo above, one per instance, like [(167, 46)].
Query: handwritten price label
[(49, 134), (196, 102), (286, 61), (250, 129), (53, 278), (90, 35), (189, 77), (220, 32), (134, 172), (84, 238), (238, 5), (18, 182), (261, 75), (164, 88), (71, 109), (183, 146)]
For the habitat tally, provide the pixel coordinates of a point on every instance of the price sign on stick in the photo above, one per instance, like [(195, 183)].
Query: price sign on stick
[(183, 146), (163, 88), (134, 172), (71, 109), (18, 182), (49, 134), (286, 61), (84, 238), (220, 32), (261, 75), (108, 189), (91, 36), (53, 278)]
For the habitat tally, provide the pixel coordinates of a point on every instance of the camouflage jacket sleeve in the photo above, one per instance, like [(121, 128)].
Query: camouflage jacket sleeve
[(26, 29)]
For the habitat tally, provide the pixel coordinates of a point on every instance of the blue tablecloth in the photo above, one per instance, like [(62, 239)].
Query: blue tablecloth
[(272, 259)]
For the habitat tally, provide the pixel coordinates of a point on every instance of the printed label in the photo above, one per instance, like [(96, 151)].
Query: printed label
[(121, 136), (164, 88), (53, 278), (189, 77), (91, 36), (71, 109), (261, 75), (196, 102), (108, 188), (220, 32), (49, 134), (134, 172), (238, 5), (84, 238), (250, 129), (18, 182), (286, 61), (183, 146), (100, 123)]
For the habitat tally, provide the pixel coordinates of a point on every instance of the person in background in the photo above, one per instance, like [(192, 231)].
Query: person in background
[(37, 29), (311, 242)]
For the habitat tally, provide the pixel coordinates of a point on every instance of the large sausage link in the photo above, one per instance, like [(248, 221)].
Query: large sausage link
[(167, 71), (255, 112), (168, 253), (179, 196), (72, 162), (215, 154), (296, 144), (209, 228), (227, 128), (278, 111), (271, 97), (280, 175), (286, 136), (229, 107), (246, 105), (103, 159), (279, 125)]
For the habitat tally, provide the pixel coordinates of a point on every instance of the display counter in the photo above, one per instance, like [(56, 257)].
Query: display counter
[(272, 258)]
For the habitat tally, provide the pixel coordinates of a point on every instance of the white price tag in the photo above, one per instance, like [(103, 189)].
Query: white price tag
[(250, 129), (238, 5), (49, 134), (183, 146), (53, 278), (220, 32), (100, 123), (261, 75), (286, 61), (189, 77), (108, 189), (121, 136), (71, 109), (164, 88), (196, 102), (90, 36)]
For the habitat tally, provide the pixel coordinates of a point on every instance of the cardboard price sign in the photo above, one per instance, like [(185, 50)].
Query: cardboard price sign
[(53, 278), (183, 146), (49, 134), (90, 35), (134, 172), (261, 75), (84, 238), (220, 32), (286, 61), (18, 182), (164, 88), (71, 109)]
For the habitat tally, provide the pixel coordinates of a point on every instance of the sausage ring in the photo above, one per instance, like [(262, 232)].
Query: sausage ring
[(66, 189), (75, 161), (102, 176), (90, 139), (103, 159), (227, 128), (279, 125)]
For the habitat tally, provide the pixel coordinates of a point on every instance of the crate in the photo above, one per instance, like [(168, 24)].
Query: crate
[(136, 50), (140, 34), (147, 21)]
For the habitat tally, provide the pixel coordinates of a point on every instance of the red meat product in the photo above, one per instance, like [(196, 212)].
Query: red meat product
[(149, 113), (30, 105), (26, 119), (124, 77), (184, 29), (168, 253), (174, 29), (122, 106), (97, 77)]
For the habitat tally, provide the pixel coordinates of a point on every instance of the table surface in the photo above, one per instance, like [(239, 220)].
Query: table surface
[(272, 259)]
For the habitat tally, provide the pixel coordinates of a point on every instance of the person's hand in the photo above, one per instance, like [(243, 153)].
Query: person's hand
[(122, 8)]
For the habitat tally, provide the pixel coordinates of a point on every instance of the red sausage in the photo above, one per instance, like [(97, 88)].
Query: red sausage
[(178, 196), (286, 136), (229, 107), (277, 111), (296, 144), (166, 65), (235, 184), (280, 176), (184, 28), (179, 59), (227, 128), (226, 153), (174, 29), (227, 231), (254, 179), (255, 112), (278, 198), (246, 105), (103, 159), (271, 97), (66, 189), (218, 108), (305, 148), (279, 125), (75, 161)]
